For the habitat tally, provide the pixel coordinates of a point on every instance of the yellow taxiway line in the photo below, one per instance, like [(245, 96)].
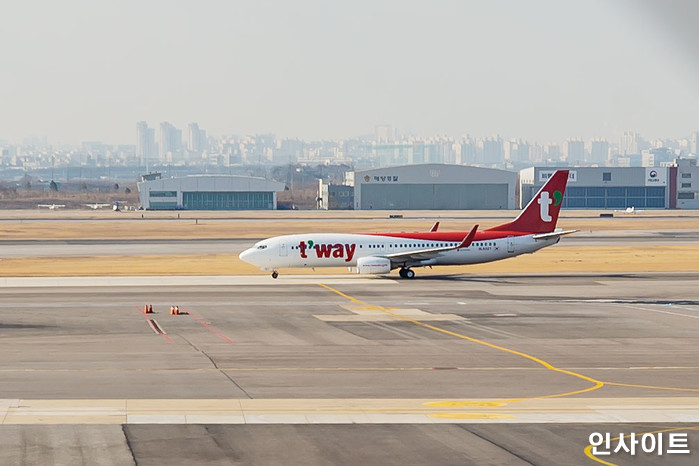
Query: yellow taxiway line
[(596, 384)]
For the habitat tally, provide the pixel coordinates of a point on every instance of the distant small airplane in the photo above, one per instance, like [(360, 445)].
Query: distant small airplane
[(630, 210), (51, 206), (96, 206)]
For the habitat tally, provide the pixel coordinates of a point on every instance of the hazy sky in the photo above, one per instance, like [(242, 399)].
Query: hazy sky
[(536, 69)]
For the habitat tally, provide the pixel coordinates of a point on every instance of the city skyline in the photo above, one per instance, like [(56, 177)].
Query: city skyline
[(180, 136), (388, 146), (539, 70)]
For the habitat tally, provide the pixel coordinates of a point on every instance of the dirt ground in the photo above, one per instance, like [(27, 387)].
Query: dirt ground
[(86, 228), (86, 213)]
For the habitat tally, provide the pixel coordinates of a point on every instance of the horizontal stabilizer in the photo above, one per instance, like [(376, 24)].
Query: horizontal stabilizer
[(554, 234)]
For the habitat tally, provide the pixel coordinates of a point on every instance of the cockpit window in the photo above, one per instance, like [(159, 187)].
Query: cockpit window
[(262, 246)]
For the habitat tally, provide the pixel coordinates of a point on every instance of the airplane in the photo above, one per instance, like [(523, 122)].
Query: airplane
[(51, 206), (630, 210), (96, 206), (379, 253)]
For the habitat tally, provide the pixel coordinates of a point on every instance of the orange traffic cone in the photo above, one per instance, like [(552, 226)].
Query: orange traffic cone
[(150, 309), (145, 309), (177, 310), (172, 310)]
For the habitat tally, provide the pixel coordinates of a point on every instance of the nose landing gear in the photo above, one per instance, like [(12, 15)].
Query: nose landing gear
[(406, 273)]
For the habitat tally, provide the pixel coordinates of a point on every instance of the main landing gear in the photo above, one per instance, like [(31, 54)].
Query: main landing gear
[(406, 273), (275, 274)]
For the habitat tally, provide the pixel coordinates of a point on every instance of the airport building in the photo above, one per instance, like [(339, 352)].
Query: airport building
[(335, 196), (606, 188), (687, 183), (434, 187), (209, 192)]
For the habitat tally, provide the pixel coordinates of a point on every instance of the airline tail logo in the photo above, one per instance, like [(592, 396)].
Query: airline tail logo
[(545, 201), (541, 213)]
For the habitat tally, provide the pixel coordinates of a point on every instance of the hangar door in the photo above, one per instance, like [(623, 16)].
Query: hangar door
[(434, 196)]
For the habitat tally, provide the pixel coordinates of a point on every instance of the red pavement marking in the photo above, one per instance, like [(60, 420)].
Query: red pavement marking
[(155, 329), (208, 327)]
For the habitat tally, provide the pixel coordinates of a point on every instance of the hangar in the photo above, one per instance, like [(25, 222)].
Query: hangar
[(209, 192), (606, 187), (434, 186)]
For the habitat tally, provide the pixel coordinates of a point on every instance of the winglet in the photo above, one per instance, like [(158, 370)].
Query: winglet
[(469, 238), (434, 227)]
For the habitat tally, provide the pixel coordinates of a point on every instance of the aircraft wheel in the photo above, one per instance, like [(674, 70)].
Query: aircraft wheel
[(409, 273), (275, 274), (401, 272)]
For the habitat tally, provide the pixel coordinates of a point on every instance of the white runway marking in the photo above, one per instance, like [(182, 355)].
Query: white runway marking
[(341, 411), (663, 312)]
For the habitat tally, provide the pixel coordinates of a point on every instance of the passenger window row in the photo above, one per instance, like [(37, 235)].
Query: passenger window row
[(411, 245)]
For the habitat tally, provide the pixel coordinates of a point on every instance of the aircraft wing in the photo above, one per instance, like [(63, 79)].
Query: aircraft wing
[(425, 254), (554, 234)]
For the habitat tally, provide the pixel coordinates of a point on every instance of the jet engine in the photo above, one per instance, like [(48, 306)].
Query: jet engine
[(373, 265)]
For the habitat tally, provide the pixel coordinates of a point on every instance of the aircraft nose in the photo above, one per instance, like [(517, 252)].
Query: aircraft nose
[(248, 256)]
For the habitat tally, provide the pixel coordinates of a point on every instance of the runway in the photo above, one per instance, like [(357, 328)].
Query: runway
[(135, 247), (487, 369)]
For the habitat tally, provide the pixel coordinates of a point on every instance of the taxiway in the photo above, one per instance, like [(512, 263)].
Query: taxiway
[(453, 369)]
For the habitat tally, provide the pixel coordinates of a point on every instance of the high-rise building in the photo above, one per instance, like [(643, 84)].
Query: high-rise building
[(385, 134), (553, 151), (517, 151), (145, 144), (510, 149), (197, 138), (468, 151), (575, 153), (629, 143), (658, 157), (536, 153), (288, 151), (695, 143), (493, 152), (599, 151), (197, 144), (170, 140)]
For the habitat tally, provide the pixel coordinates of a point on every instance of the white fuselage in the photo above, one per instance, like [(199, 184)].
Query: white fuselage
[(343, 250)]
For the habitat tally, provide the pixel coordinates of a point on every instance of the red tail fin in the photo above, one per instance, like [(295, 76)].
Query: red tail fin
[(541, 214)]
